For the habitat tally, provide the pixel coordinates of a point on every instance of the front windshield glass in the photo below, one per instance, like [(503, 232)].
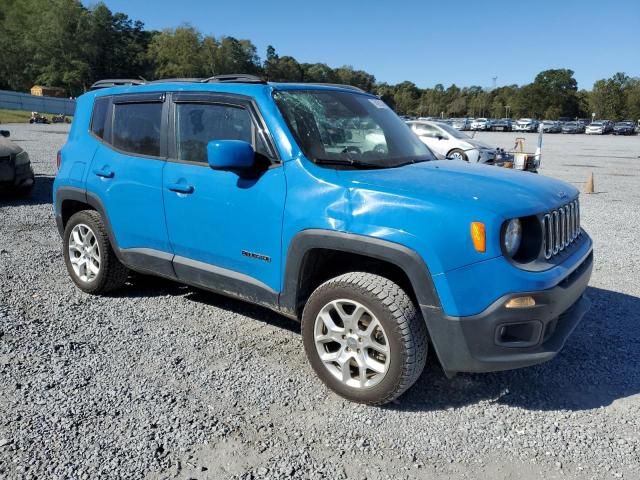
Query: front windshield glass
[(332, 125)]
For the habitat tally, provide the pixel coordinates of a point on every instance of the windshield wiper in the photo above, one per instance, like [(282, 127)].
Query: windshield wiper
[(414, 160), (348, 161)]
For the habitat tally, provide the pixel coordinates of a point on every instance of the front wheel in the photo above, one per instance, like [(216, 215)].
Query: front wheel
[(364, 337), (457, 154)]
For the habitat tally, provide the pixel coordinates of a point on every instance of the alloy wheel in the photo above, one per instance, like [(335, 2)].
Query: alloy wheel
[(352, 343), (84, 253)]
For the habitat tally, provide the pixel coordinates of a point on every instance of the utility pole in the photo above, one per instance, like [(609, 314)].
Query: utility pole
[(495, 80)]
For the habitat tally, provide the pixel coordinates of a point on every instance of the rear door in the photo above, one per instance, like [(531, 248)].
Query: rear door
[(224, 226), (126, 175)]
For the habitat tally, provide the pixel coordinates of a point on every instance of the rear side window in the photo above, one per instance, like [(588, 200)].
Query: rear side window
[(99, 116), (198, 124), (136, 128)]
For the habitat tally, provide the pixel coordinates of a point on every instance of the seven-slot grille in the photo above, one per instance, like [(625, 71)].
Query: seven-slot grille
[(560, 228)]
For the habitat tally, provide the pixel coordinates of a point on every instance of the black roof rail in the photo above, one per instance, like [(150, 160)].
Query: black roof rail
[(341, 85), (116, 82), (234, 78), (188, 80)]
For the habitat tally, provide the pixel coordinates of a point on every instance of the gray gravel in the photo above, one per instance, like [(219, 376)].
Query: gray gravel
[(165, 381)]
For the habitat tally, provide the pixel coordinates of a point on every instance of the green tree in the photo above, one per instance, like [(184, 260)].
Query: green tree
[(282, 69), (178, 53), (236, 56), (554, 88), (358, 78), (608, 97), (632, 99), (318, 73)]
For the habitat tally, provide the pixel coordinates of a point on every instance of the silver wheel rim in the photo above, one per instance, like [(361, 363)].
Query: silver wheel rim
[(352, 344), (456, 156), (84, 253)]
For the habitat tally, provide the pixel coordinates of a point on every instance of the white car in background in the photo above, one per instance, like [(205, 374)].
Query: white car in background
[(596, 128), (526, 125), (481, 124), (461, 123), (447, 142)]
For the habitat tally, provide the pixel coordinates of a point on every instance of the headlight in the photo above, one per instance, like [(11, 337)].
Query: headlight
[(512, 237), (22, 158)]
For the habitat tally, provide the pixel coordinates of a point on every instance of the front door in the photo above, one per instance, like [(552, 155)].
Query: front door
[(224, 226)]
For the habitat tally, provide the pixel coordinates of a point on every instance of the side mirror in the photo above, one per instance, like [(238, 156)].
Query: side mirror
[(230, 154), (5, 133)]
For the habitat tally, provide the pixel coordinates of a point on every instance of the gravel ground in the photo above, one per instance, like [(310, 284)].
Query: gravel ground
[(165, 381)]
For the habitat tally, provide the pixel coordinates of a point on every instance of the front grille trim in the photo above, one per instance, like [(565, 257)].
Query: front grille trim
[(560, 228)]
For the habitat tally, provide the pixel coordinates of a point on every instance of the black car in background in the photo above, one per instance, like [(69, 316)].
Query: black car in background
[(501, 125), (573, 127), (16, 174), (626, 127)]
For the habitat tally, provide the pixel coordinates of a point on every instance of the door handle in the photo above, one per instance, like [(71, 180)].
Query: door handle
[(104, 173), (180, 188)]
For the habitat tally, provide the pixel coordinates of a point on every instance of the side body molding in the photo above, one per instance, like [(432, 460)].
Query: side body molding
[(167, 265)]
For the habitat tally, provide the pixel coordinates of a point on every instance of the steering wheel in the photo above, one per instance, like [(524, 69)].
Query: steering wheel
[(352, 149)]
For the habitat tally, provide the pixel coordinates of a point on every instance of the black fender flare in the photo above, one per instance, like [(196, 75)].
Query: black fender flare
[(405, 258), (80, 195)]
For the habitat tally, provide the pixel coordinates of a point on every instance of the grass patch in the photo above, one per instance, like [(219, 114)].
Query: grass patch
[(21, 116), (14, 116)]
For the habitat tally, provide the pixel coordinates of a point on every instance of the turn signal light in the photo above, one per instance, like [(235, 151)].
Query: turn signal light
[(521, 302), (479, 237), (58, 159)]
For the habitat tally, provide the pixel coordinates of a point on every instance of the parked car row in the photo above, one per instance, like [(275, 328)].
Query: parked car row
[(598, 127)]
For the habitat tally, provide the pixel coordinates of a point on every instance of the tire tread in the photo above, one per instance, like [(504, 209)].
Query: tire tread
[(409, 324)]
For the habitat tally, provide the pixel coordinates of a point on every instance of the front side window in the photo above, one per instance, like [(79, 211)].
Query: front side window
[(136, 128), (453, 132), (198, 124), (425, 130), (337, 127)]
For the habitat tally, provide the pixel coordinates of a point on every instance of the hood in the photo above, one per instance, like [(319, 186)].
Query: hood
[(477, 143), (506, 193), (7, 147)]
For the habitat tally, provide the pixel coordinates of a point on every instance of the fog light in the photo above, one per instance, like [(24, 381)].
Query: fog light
[(521, 302)]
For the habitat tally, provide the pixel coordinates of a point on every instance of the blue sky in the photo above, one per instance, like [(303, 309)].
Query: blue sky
[(425, 41)]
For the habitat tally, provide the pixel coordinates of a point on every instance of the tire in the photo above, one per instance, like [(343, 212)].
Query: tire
[(379, 306), (457, 154), (101, 276)]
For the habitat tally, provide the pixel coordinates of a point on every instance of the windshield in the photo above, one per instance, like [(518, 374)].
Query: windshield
[(596, 124), (338, 126), (452, 131)]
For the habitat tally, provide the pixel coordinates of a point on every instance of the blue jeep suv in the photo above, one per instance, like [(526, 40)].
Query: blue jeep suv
[(318, 202)]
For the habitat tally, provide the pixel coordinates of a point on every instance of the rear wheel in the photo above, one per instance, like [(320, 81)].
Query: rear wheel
[(90, 260), (364, 337)]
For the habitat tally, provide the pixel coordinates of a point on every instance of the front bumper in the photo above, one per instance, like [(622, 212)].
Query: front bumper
[(16, 176), (476, 344)]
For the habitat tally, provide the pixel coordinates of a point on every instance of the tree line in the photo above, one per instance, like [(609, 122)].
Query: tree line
[(61, 43)]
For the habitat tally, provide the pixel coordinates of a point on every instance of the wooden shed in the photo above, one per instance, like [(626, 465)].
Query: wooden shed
[(42, 91)]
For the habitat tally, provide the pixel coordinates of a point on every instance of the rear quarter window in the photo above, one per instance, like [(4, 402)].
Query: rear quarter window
[(99, 116)]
